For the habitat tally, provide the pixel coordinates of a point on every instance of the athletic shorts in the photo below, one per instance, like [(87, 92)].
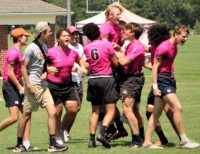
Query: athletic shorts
[(42, 98), (63, 92), (11, 95), (166, 85), (151, 97), (101, 91), (79, 88), (132, 87)]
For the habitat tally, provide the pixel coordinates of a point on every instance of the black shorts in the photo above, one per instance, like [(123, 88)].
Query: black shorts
[(79, 88), (11, 95), (151, 97), (63, 92), (166, 85), (101, 91), (132, 87)]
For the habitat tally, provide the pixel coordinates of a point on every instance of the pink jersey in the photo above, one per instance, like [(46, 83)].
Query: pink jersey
[(136, 52), (13, 57), (63, 61), (112, 31), (167, 52), (98, 54)]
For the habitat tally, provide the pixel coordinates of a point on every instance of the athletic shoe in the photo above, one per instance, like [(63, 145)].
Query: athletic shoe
[(103, 140), (123, 119), (19, 148), (32, 148), (110, 134), (57, 148), (120, 134), (59, 140), (189, 145), (135, 144), (160, 143), (66, 137), (152, 146), (91, 144)]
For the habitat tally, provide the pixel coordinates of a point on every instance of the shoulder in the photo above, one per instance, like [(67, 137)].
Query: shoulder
[(31, 47)]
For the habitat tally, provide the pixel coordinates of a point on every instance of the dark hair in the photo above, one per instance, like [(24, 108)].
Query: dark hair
[(59, 32), (158, 33), (15, 39), (136, 28), (91, 30), (122, 24)]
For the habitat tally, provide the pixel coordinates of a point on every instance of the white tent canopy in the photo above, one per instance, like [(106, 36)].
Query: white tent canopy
[(127, 16)]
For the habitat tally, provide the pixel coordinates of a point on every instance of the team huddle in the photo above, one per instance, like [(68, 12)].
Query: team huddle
[(114, 59)]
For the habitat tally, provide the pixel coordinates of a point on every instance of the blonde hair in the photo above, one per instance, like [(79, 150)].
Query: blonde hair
[(179, 28), (112, 6)]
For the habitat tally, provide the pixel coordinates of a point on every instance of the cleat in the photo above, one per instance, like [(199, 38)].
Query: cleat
[(32, 148), (65, 136), (189, 145), (57, 148), (101, 139), (19, 148), (59, 140), (120, 134), (135, 144), (110, 134), (91, 144)]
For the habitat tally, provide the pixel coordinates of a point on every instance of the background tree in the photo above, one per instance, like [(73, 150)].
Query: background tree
[(168, 12)]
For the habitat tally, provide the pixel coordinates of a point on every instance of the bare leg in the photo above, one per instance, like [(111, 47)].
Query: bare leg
[(170, 115), (157, 111), (59, 109), (14, 115), (69, 118), (128, 111), (51, 110), (109, 114), (94, 119)]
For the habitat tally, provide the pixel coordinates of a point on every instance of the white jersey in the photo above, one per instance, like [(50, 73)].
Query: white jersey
[(77, 76)]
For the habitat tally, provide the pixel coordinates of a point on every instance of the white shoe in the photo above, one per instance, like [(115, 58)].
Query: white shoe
[(189, 145), (123, 119), (59, 140), (66, 137), (152, 146)]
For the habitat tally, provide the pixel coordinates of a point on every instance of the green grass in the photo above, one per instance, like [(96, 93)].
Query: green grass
[(187, 72)]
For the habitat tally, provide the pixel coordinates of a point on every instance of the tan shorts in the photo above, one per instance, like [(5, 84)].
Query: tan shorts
[(42, 98)]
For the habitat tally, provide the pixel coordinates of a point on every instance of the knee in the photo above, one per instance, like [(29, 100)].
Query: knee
[(14, 119), (149, 111), (178, 108)]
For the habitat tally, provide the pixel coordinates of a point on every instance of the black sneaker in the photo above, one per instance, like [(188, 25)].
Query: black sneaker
[(102, 139), (19, 148), (135, 144), (56, 148), (110, 134), (91, 144)]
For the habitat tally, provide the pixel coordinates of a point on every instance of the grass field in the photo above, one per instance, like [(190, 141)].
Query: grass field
[(187, 72)]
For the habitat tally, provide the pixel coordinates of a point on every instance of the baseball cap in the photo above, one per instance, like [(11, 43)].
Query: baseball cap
[(40, 27), (17, 32), (72, 29)]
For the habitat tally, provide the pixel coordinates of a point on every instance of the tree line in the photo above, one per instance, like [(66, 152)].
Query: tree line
[(168, 12)]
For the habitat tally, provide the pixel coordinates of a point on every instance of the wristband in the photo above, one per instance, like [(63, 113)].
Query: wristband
[(155, 86)]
